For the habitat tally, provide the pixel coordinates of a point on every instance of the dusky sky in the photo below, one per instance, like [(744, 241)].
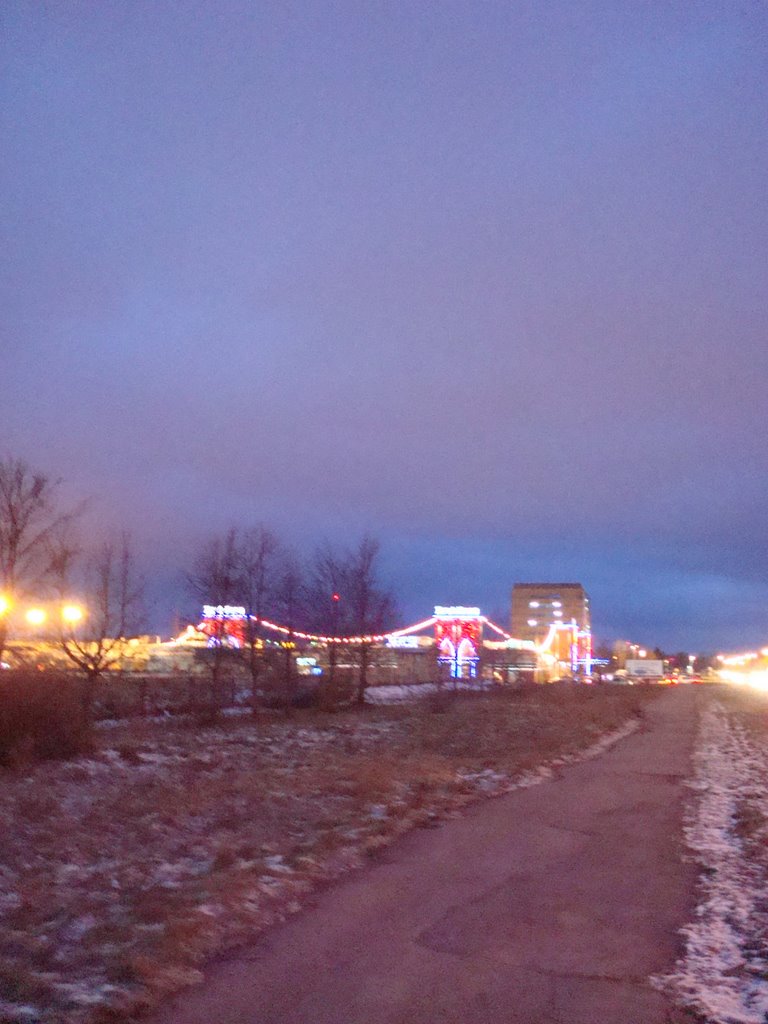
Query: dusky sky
[(487, 280)]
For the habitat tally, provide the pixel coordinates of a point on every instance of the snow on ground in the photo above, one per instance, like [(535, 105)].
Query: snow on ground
[(724, 972), (378, 695), (123, 872)]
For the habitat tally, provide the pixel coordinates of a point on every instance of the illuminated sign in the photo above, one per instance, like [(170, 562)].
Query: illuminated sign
[(456, 612), (403, 641), (223, 611)]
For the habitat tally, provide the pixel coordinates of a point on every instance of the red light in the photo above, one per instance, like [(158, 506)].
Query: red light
[(335, 597)]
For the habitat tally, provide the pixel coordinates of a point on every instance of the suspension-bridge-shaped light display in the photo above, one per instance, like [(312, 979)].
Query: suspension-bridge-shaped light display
[(458, 634)]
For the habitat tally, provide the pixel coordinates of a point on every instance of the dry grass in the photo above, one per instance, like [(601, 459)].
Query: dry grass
[(120, 874), (515, 732)]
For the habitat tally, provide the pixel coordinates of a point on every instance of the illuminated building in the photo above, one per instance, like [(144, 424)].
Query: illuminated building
[(538, 609)]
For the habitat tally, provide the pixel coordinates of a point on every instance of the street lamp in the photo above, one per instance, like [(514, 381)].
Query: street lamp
[(72, 614), (5, 605), (35, 616)]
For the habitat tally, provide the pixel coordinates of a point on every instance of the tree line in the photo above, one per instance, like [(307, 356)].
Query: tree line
[(43, 555), (336, 593)]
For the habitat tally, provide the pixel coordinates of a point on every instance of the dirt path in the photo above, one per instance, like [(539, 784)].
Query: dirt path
[(552, 904)]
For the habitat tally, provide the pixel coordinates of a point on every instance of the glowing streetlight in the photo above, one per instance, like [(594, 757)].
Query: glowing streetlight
[(5, 605), (72, 614), (35, 616)]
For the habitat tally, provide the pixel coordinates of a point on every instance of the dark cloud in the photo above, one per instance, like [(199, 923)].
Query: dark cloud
[(487, 282)]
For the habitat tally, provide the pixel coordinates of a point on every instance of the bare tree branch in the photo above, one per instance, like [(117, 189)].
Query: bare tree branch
[(28, 521), (107, 583), (216, 579), (370, 605), (258, 552)]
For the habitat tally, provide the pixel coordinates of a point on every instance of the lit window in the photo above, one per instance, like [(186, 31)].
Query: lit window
[(533, 622), (558, 614), (557, 604), (533, 604)]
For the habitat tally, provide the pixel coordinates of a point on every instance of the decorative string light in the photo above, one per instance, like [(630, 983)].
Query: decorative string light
[(376, 638), (371, 638)]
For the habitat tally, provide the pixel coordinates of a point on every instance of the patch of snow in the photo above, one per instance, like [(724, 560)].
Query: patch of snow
[(9, 900), (416, 691), (276, 863), (83, 993), (13, 1012), (486, 780), (76, 929), (723, 972), (154, 757)]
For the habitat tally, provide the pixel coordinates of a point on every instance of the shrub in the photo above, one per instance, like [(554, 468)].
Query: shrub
[(41, 718), (339, 693)]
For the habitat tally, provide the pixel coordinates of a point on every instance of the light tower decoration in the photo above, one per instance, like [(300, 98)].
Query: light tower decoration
[(224, 625), (584, 651), (570, 646), (459, 634), (579, 653)]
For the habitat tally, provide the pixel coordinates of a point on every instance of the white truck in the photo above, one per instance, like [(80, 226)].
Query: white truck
[(647, 670)]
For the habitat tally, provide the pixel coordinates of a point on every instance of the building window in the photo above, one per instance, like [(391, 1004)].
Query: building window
[(533, 622)]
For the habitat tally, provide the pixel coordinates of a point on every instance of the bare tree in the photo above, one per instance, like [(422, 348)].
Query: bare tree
[(348, 599), (94, 635), (28, 519), (216, 579), (370, 607), (288, 603), (326, 604), (257, 553)]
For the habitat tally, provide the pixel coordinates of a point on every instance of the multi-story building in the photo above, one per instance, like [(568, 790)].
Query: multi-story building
[(537, 607)]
